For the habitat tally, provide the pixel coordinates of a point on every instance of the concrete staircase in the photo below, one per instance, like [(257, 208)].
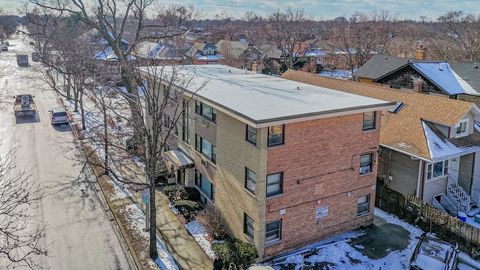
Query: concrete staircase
[(459, 197)]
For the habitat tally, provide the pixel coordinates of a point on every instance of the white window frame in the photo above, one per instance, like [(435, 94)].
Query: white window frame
[(430, 166), (465, 133)]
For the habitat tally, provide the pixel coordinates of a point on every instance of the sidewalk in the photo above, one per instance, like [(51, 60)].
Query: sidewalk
[(182, 246), (186, 251)]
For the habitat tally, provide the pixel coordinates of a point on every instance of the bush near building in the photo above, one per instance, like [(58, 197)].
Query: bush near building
[(188, 208), (235, 253)]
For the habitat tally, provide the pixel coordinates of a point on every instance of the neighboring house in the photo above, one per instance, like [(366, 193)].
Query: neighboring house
[(285, 163), (430, 145), (100, 46), (238, 54), (153, 52), (455, 80), (204, 53)]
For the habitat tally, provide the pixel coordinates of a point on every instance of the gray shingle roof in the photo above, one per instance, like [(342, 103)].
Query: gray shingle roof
[(380, 65), (470, 72)]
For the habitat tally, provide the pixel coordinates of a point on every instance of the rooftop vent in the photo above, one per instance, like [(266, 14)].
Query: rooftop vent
[(397, 107)]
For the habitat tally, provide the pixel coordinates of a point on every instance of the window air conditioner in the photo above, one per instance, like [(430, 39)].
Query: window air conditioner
[(364, 170)]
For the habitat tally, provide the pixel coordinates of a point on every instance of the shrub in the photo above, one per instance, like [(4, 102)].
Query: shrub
[(187, 208), (192, 194), (175, 193), (214, 224), (234, 252)]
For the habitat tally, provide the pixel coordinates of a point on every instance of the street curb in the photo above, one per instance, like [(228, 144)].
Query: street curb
[(129, 247)]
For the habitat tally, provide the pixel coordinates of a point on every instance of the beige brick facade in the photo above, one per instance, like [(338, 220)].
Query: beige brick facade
[(320, 162)]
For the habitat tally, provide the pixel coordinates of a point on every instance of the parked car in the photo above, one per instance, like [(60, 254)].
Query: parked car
[(6, 43), (35, 56), (4, 47), (58, 116), (22, 60), (24, 105), (433, 253)]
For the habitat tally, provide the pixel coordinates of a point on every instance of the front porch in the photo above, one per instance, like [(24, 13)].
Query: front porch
[(462, 186)]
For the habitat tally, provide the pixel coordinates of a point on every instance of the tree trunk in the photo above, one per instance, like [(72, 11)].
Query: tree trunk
[(68, 87), (82, 111), (75, 99), (105, 135), (153, 218), (128, 79)]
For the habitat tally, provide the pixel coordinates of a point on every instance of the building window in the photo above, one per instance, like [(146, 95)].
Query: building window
[(366, 162), (276, 135), (185, 124), (363, 205), (251, 135), (273, 231), (248, 226), (437, 169), (250, 180), (205, 186), (369, 120), (205, 147), (205, 111), (462, 128), (274, 184)]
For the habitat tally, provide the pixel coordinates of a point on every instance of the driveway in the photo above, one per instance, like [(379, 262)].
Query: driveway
[(79, 233)]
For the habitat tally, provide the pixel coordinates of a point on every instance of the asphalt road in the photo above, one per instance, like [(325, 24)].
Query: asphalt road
[(79, 233)]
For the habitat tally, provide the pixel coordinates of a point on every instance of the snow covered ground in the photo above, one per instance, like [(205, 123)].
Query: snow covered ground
[(165, 260), (200, 234), (341, 252)]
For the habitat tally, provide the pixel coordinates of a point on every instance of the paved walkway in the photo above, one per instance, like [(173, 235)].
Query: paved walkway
[(187, 252)]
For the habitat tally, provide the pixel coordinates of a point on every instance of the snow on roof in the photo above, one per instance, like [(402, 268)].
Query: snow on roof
[(443, 149), (208, 58), (260, 99), (315, 52), (467, 88), (108, 54), (442, 75)]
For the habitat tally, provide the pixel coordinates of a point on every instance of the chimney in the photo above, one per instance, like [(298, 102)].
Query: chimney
[(420, 53), (418, 85)]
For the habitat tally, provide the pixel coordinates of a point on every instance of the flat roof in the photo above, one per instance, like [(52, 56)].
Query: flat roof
[(262, 100)]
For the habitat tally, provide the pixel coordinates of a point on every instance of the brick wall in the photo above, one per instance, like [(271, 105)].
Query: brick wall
[(320, 161)]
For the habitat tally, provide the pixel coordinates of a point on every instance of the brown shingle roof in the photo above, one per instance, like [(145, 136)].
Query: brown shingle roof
[(402, 130)]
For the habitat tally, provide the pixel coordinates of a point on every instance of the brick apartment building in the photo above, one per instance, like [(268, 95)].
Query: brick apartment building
[(286, 163)]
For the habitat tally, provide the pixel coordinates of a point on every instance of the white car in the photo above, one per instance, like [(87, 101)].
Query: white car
[(58, 116)]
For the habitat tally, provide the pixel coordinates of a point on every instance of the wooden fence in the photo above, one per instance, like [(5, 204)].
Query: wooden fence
[(416, 211)]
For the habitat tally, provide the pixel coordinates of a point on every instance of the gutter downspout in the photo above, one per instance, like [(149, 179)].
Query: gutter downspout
[(419, 179)]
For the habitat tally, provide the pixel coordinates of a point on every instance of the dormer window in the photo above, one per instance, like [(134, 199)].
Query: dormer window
[(462, 128)]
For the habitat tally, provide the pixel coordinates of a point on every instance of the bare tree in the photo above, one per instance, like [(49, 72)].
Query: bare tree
[(20, 239), (357, 39), (287, 29), (459, 36), (115, 20)]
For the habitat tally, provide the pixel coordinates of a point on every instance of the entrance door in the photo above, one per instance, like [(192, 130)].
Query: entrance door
[(465, 172)]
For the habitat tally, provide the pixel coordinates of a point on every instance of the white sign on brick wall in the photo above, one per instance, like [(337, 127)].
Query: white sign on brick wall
[(321, 212)]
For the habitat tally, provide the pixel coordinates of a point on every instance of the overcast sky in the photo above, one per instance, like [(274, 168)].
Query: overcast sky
[(410, 9)]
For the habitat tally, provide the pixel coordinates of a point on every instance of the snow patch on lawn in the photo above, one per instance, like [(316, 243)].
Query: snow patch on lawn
[(165, 259), (174, 209), (339, 254), (200, 234)]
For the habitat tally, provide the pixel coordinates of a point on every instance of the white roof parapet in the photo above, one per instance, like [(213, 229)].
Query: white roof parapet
[(261, 100)]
